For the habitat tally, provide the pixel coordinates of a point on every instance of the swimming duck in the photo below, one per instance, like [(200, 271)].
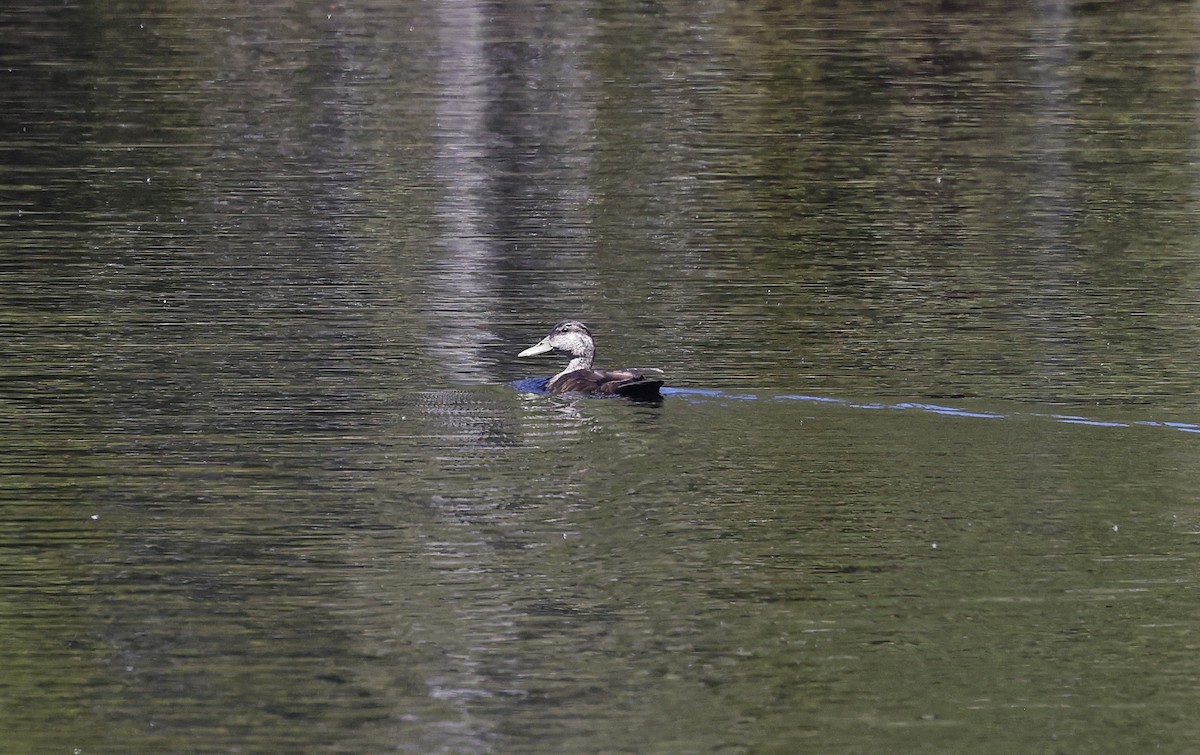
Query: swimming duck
[(573, 337)]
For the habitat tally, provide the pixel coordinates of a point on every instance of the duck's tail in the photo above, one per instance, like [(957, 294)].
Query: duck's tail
[(641, 389)]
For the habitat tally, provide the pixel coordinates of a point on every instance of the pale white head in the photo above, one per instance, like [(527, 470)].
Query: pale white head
[(571, 337)]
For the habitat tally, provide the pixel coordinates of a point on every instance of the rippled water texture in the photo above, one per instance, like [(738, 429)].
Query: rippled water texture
[(922, 276)]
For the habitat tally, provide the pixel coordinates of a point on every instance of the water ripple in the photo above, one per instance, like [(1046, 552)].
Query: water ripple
[(700, 395)]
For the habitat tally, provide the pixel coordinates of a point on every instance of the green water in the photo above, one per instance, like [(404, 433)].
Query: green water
[(922, 280)]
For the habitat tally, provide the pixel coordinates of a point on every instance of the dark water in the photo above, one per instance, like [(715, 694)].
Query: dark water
[(923, 278)]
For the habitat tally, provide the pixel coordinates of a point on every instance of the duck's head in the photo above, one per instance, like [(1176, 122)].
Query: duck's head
[(570, 336)]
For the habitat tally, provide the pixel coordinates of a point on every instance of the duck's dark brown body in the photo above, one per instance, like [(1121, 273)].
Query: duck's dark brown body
[(573, 337), (627, 383)]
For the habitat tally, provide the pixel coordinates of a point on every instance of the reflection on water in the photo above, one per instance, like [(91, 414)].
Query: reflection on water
[(922, 278)]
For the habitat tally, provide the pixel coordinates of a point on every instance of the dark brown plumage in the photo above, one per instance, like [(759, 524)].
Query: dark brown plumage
[(573, 337), (606, 383)]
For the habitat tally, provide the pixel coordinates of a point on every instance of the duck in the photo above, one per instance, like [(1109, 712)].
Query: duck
[(574, 338)]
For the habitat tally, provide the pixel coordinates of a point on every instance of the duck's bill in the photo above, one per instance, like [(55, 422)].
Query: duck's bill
[(541, 347)]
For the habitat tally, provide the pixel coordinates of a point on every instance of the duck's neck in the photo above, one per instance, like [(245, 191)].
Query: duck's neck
[(580, 362)]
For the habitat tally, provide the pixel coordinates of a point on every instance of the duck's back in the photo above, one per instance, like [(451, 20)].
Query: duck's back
[(627, 383)]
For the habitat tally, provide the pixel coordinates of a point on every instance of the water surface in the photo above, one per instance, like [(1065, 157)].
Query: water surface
[(922, 279)]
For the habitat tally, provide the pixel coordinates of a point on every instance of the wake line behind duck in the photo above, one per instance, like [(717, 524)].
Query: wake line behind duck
[(572, 337)]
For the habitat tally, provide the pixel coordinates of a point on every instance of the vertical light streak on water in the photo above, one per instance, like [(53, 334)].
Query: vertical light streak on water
[(462, 288)]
